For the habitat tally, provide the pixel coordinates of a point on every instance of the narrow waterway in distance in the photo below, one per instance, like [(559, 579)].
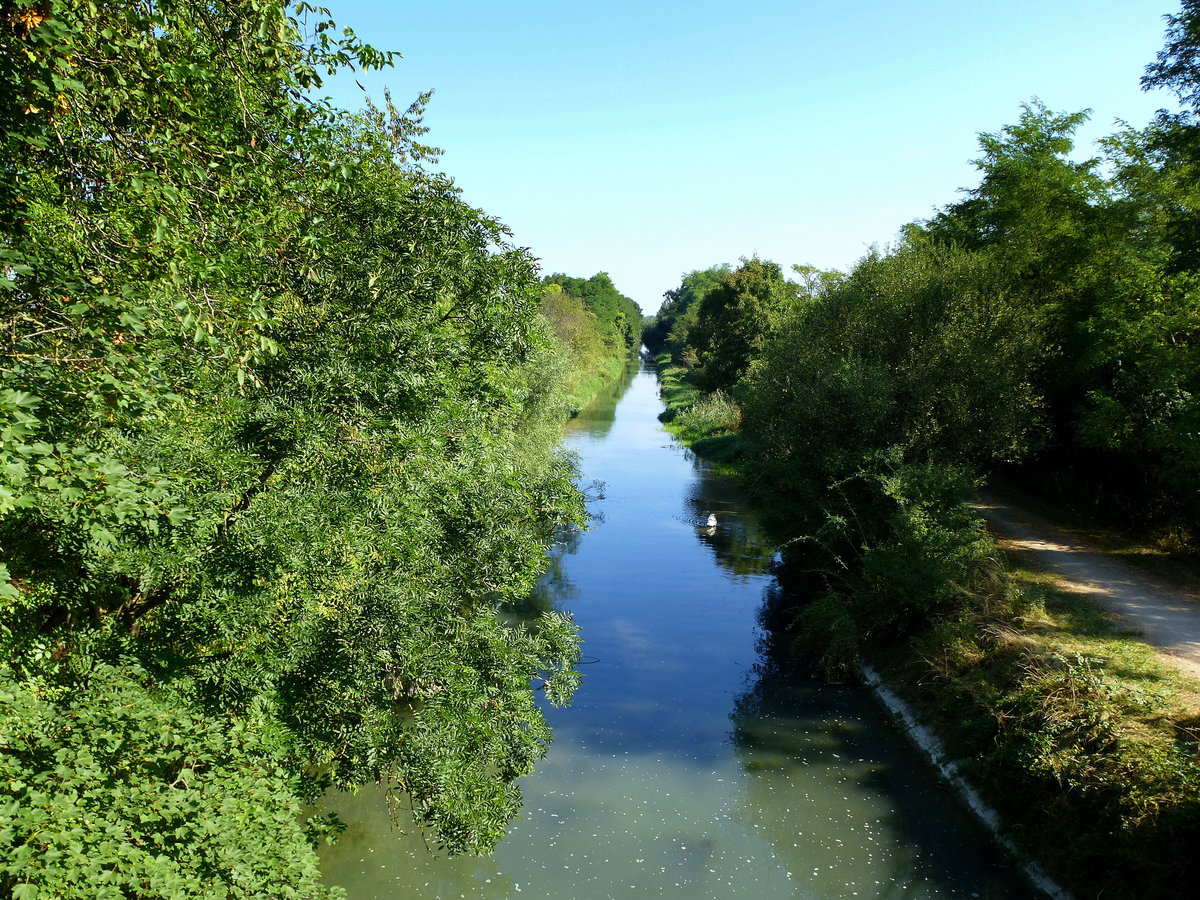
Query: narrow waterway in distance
[(692, 763)]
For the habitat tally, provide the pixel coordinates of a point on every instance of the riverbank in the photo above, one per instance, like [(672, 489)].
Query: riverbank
[(1077, 733), (603, 375), (708, 423), (927, 741), (1080, 738)]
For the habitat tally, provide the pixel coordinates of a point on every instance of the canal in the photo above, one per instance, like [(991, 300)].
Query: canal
[(694, 762)]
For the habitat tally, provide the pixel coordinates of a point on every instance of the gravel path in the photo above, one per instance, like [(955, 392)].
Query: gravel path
[(1166, 617)]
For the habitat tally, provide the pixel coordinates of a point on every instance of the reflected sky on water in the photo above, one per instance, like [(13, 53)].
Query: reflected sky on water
[(695, 762)]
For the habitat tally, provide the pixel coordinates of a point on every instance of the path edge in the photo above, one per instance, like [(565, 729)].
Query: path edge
[(928, 743)]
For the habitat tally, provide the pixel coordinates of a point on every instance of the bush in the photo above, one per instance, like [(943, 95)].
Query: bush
[(896, 548)]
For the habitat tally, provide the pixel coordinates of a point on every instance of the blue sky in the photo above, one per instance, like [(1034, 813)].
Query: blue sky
[(648, 139)]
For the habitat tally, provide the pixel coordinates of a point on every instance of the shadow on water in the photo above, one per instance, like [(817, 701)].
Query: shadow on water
[(738, 542), (554, 590), (828, 748), (695, 762), (844, 801)]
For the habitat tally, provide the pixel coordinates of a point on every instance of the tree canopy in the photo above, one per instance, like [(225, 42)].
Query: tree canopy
[(278, 439), (667, 330), (620, 318)]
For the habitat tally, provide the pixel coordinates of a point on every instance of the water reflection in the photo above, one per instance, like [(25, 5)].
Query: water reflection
[(598, 418), (554, 590), (829, 752), (739, 543), (694, 762)]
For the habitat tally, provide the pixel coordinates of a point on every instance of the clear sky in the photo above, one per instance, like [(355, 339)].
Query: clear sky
[(646, 139)]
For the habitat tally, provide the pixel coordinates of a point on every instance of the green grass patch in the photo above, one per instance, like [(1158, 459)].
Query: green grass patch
[(722, 450), (709, 424), (676, 391)]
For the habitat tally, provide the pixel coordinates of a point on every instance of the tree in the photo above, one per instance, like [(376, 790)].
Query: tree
[(277, 444), (620, 317), (669, 327), (926, 349), (735, 317), (1035, 205), (1177, 67)]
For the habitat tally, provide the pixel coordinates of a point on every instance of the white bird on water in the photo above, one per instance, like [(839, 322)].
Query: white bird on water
[(712, 520)]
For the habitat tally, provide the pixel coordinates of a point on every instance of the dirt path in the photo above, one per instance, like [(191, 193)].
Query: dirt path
[(1168, 616)]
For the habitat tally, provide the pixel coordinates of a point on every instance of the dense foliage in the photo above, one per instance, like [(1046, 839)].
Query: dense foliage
[(277, 444), (1097, 262), (1046, 326), (596, 326), (668, 329), (619, 317)]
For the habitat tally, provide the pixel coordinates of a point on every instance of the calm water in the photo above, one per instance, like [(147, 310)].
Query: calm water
[(691, 764)]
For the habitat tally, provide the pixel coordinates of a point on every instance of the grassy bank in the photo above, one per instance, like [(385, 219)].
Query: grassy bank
[(708, 423), (585, 384), (1079, 734)]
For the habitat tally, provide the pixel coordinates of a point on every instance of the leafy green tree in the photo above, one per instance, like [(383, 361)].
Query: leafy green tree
[(620, 317), (587, 361), (1141, 417), (1177, 66), (735, 317), (668, 329), (1103, 264), (1033, 200), (278, 433), (1138, 420), (926, 349), (113, 790), (1049, 220), (864, 415), (573, 323)]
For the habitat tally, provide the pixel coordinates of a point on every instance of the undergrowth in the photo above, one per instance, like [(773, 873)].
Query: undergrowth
[(709, 424), (1082, 737)]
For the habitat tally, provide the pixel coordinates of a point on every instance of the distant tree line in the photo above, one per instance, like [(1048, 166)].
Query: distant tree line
[(618, 317), (1046, 324), (599, 327)]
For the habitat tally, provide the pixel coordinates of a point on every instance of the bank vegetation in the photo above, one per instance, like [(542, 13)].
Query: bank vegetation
[(1045, 327)]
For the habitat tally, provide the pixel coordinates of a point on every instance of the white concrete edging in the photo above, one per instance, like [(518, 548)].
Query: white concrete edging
[(931, 746)]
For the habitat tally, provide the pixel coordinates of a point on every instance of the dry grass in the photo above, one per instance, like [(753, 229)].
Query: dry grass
[(1069, 624)]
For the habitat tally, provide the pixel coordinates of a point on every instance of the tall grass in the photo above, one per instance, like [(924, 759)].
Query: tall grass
[(711, 415)]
